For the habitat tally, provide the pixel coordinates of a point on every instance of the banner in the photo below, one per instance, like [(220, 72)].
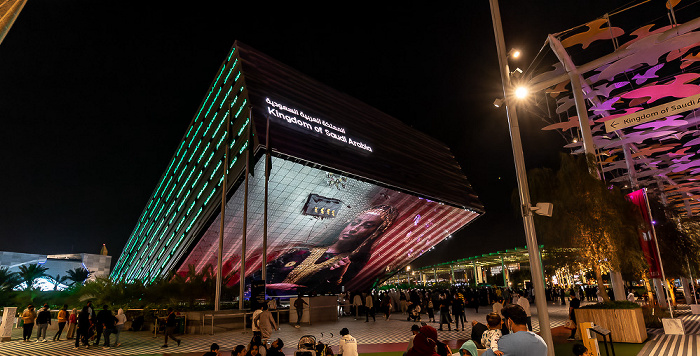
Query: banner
[(646, 232)]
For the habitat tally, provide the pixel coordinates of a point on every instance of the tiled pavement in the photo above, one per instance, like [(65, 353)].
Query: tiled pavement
[(376, 336), (688, 344)]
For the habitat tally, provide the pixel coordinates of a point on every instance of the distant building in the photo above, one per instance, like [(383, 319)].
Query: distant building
[(97, 265)]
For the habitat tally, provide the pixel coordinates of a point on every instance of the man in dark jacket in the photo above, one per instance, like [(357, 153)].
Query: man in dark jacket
[(170, 324), (102, 316), (108, 322), (83, 327), (43, 320)]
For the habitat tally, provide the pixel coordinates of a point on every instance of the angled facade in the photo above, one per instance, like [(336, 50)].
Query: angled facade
[(354, 194)]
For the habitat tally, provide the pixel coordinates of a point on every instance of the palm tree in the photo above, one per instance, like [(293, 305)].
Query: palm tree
[(30, 273), (77, 275), (8, 280), (58, 280)]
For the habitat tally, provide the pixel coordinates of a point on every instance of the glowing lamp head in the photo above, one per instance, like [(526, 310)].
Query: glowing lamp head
[(514, 53), (521, 92)]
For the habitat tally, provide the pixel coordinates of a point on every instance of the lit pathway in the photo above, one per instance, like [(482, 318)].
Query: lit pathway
[(688, 344)]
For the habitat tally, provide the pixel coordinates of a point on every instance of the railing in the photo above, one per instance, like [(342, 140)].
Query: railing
[(242, 314)]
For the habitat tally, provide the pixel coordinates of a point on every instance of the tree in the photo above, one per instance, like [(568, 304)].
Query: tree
[(8, 280), (678, 236), (58, 280), (78, 275), (593, 225), (30, 273)]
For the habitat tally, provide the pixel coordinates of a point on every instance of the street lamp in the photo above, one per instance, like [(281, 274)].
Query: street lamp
[(521, 93), (521, 174)]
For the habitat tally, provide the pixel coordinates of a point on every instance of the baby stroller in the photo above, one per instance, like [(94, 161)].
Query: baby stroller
[(308, 346)]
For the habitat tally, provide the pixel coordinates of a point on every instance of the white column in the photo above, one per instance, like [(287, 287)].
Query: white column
[(618, 285), (660, 295)]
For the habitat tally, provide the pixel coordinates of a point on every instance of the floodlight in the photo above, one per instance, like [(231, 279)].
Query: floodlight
[(517, 73), (514, 53), (544, 209), (521, 92), (498, 102)]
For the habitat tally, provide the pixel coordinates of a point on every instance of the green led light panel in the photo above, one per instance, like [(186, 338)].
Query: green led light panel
[(149, 248)]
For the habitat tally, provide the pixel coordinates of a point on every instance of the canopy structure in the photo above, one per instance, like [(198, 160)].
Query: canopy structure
[(470, 270), (625, 87)]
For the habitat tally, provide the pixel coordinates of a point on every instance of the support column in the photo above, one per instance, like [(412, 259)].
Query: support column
[(618, 285), (452, 274), (660, 294), (687, 293)]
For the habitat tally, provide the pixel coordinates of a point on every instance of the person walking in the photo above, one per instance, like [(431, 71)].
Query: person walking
[(299, 306), (28, 318), (266, 324), (72, 322), (369, 307), (430, 308), (403, 302), (497, 306), (170, 324), (524, 303), (121, 320), (386, 306), (357, 304), (347, 345), (254, 320), (83, 326), (574, 304), (109, 322), (62, 319), (43, 320), (458, 311), (445, 312), (103, 316)]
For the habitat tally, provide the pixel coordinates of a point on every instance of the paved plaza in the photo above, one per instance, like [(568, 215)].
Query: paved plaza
[(379, 336), (382, 335)]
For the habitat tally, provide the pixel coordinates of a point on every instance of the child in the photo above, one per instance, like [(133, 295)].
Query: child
[(490, 337), (580, 350)]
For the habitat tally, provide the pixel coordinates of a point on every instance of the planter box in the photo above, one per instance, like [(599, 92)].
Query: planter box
[(626, 325)]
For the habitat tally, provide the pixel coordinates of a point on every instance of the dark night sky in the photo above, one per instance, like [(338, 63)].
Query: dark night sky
[(95, 96)]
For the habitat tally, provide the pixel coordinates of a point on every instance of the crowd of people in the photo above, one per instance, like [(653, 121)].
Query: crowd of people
[(84, 326), (505, 329)]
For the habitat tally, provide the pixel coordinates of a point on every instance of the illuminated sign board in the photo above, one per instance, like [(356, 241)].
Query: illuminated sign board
[(305, 122), (375, 230)]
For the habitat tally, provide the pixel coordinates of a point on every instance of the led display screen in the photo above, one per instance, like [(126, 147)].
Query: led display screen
[(375, 230)]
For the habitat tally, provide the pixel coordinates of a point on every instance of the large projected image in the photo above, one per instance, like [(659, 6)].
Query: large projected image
[(325, 231), (325, 267)]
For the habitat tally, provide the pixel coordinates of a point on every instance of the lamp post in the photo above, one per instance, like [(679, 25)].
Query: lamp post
[(523, 190)]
